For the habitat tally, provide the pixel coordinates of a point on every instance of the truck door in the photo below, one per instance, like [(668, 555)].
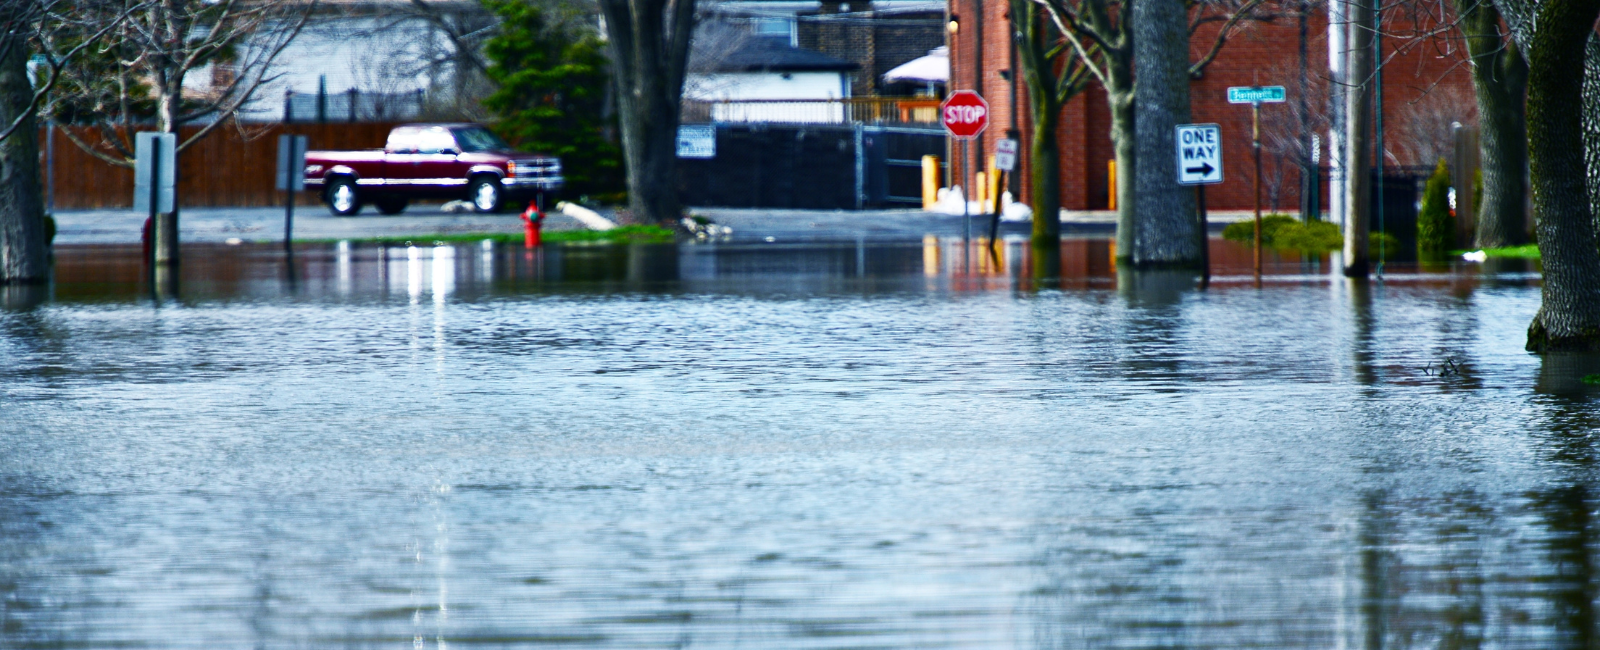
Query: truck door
[(401, 161), (436, 172)]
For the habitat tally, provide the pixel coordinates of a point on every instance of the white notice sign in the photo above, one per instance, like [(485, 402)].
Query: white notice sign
[(1199, 154), (697, 141), (1005, 155)]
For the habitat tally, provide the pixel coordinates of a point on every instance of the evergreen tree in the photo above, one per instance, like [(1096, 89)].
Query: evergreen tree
[(551, 77), (1436, 228)]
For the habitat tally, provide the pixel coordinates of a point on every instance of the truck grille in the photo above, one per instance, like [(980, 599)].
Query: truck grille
[(536, 168)]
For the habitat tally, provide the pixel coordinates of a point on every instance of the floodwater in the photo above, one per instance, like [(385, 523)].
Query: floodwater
[(771, 446)]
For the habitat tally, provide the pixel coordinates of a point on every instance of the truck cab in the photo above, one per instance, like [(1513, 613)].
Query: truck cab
[(432, 161)]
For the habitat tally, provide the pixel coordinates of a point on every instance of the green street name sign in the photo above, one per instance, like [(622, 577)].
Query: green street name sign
[(1255, 94)]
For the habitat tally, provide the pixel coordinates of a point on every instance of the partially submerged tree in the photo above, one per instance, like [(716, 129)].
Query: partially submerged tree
[(59, 30), (1553, 35), (1054, 76), (1500, 81), (24, 257), (649, 45), (1099, 34), (1166, 232)]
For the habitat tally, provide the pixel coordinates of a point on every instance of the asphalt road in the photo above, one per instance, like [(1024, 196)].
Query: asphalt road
[(217, 225)]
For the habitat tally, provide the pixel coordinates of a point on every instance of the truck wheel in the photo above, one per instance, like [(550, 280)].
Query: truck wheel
[(390, 204), (343, 198), (486, 194)]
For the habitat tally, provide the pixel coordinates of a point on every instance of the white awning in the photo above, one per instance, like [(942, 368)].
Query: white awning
[(933, 68)]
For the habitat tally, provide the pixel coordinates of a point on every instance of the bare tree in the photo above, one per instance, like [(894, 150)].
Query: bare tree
[(1099, 34), (1054, 76), (1425, 134), (60, 31), (1285, 126), (149, 57)]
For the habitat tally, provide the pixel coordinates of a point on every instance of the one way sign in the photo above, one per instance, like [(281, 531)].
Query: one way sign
[(1199, 154)]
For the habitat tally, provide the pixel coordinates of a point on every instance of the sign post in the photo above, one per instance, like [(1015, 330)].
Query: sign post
[(155, 170), (1199, 156), (1005, 161), (965, 115), (291, 179), (1255, 96)]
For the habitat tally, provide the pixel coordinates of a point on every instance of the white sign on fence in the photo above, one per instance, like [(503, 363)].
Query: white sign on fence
[(148, 147), (697, 141), (1199, 154), (1005, 155)]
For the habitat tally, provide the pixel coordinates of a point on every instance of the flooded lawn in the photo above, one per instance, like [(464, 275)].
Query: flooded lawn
[(787, 446)]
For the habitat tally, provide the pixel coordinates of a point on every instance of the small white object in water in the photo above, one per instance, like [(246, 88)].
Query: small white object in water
[(772, 239), (234, 241), (1475, 256)]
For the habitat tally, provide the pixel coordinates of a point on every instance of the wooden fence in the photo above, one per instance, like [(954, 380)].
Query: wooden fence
[(226, 169)]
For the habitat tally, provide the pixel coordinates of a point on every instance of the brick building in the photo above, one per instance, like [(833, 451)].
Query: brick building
[(1426, 85)]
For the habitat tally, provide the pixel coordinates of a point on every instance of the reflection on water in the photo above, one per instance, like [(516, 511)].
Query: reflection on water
[(926, 444)]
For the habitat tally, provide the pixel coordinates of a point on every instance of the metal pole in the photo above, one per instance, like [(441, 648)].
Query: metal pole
[(50, 168), (155, 205), (966, 194), (1377, 120), (1255, 146), (288, 216), (994, 222), (1205, 236)]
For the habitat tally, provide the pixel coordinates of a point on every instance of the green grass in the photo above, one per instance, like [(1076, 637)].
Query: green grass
[(1526, 252), (620, 235)]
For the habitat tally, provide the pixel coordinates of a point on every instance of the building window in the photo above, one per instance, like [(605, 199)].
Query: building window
[(775, 28)]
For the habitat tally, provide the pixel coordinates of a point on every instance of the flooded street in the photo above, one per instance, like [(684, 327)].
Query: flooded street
[(817, 445)]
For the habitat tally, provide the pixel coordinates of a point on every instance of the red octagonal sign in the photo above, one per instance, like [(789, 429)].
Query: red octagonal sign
[(964, 114)]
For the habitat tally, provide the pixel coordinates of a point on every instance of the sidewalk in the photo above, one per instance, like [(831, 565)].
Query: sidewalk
[(218, 225)]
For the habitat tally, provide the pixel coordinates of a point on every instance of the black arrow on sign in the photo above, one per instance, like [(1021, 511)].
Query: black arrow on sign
[(1204, 169)]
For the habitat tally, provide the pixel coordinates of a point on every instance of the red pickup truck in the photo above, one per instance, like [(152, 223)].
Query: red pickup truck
[(431, 161)]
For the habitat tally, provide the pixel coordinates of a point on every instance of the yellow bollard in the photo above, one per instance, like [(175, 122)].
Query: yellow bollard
[(991, 195), (1111, 184), (930, 181), (980, 187)]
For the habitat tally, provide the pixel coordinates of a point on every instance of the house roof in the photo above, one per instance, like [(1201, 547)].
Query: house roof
[(776, 55)]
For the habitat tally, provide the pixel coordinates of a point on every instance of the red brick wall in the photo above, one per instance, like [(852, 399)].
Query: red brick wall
[(1263, 53)]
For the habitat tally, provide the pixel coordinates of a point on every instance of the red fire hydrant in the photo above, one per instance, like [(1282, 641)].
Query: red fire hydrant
[(531, 218)]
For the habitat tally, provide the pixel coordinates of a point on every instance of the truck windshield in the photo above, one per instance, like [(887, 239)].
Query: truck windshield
[(480, 139)]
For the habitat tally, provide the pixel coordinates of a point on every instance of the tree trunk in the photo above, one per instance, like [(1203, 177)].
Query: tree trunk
[(649, 44), (1046, 170), (1591, 126), (1357, 114), (1164, 234), (24, 251), (1500, 79), (166, 226), (1038, 70), (1119, 95), (1569, 314)]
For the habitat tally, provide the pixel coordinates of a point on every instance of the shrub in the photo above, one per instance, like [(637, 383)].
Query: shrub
[(1436, 227), (1283, 232)]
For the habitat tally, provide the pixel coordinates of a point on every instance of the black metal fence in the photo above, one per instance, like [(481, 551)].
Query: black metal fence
[(821, 166), (351, 106)]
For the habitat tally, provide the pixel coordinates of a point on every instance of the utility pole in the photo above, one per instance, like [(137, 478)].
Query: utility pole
[(1358, 93), (1338, 51)]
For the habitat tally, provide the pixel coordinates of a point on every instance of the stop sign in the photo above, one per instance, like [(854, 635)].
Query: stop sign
[(964, 114)]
